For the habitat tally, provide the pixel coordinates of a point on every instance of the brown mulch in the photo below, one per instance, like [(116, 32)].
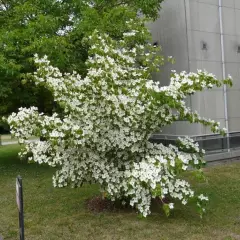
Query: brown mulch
[(99, 204)]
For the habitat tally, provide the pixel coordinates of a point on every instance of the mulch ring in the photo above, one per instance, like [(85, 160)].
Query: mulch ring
[(99, 204)]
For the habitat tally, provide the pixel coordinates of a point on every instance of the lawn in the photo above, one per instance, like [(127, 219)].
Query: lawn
[(52, 214)]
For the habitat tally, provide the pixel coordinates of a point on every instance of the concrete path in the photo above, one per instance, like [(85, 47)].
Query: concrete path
[(14, 142)]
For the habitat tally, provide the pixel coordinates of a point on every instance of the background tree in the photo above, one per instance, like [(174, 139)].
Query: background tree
[(55, 28)]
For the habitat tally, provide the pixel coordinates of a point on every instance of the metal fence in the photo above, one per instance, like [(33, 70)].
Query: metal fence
[(212, 143)]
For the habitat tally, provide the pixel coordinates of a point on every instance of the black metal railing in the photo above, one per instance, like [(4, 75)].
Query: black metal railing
[(213, 143)]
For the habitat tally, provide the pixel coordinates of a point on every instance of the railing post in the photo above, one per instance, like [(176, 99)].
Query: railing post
[(19, 199)]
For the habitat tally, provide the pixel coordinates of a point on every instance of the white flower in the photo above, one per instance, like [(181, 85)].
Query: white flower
[(203, 198), (171, 205)]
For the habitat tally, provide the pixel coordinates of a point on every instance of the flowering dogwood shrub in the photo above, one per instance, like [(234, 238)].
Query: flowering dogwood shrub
[(109, 115)]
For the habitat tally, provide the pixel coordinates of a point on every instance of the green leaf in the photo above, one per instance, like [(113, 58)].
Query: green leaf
[(166, 209)]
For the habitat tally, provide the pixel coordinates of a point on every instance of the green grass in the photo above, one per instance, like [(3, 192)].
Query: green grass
[(53, 214)]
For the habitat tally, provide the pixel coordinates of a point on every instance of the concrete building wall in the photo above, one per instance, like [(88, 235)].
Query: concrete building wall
[(170, 31), (231, 20), (189, 30), (204, 29)]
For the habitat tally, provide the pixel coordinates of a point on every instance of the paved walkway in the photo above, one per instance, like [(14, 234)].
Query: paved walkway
[(9, 143), (14, 142)]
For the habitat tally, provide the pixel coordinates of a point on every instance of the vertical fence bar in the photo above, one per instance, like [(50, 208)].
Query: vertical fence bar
[(19, 199)]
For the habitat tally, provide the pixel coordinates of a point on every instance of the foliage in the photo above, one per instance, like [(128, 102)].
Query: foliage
[(4, 128), (55, 28), (109, 115)]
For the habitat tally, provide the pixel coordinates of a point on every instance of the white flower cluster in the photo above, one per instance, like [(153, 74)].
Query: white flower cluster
[(109, 116)]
